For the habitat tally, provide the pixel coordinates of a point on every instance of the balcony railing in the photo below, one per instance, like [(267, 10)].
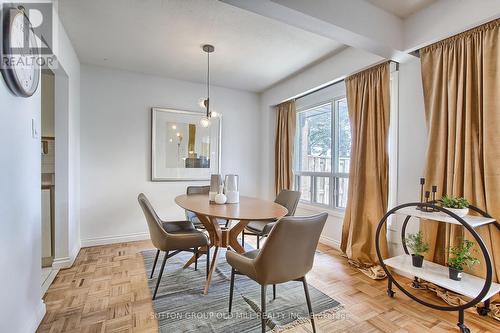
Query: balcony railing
[(319, 184)]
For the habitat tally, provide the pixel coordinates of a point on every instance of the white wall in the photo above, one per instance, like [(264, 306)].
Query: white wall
[(412, 143), (72, 67), (21, 308), (115, 156), (446, 18), (67, 132), (20, 217)]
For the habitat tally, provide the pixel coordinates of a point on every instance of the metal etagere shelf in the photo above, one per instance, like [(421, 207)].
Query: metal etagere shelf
[(475, 288)]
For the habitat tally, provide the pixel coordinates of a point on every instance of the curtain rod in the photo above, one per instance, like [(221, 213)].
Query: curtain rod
[(318, 89), (341, 79)]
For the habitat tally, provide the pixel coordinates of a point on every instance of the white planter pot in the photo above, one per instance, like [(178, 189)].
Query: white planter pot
[(460, 212)]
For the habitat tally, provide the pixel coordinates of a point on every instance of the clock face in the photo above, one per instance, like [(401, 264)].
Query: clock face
[(20, 51)]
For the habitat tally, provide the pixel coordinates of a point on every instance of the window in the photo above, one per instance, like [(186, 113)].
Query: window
[(322, 153)]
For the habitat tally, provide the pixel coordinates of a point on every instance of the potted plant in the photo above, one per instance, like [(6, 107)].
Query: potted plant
[(417, 246), (461, 256), (457, 205)]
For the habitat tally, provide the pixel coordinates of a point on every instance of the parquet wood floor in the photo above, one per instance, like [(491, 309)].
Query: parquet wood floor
[(106, 291)]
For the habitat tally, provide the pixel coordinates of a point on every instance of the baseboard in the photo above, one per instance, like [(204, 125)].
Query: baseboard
[(46, 284), (38, 315), (330, 242), (144, 236), (67, 262), (114, 239)]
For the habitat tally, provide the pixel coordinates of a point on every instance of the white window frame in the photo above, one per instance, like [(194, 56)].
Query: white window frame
[(334, 175)]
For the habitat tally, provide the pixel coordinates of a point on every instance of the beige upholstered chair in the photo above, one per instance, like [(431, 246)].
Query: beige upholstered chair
[(190, 216), (286, 198), (172, 237), (287, 255)]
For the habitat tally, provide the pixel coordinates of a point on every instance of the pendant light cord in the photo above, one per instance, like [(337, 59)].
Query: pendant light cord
[(208, 84)]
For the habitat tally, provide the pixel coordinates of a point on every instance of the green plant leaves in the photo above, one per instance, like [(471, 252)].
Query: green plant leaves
[(454, 202), (416, 243), (461, 255)]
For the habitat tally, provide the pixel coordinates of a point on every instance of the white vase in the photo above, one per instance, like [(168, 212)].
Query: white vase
[(220, 199), (233, 197), (215, 182)]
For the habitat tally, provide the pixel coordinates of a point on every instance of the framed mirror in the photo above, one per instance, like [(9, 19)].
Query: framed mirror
[(181, 148)]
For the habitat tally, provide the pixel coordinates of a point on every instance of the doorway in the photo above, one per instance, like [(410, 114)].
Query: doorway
[(48, 176)]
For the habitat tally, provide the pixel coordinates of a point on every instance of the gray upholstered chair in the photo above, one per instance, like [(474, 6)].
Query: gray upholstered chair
[(286, 198), (172, 237), (191, 216), (287, 255)]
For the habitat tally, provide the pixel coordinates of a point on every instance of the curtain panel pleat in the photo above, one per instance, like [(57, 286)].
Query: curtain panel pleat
[(461, 82), (368, 103), (285, 138)]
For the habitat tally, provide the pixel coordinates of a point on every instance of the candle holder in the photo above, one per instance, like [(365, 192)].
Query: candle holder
[(434, 190), (426, 208), (422, 183)]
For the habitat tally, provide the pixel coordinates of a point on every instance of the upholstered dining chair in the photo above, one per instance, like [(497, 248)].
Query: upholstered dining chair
[(286, 198), (172, 237), (287, 255), (191, 216)]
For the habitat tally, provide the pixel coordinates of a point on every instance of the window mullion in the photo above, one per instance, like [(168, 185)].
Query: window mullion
[(334, 154), (313, 189)]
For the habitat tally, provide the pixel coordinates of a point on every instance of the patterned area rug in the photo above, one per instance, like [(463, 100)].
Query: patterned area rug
[(180, 305)]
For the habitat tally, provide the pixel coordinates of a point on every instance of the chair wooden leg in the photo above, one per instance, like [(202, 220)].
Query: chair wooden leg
[(196, 260), (308, 300), (208, 259), (258, 242), (274, 291), (161, 273), (231, 290), (263, 307), (154, 264)]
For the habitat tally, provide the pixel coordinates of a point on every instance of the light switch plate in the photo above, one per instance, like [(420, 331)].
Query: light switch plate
[(34, 131)]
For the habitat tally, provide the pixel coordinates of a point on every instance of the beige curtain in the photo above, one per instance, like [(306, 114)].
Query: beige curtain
[(285, 137), (368, 102), (461, 82)]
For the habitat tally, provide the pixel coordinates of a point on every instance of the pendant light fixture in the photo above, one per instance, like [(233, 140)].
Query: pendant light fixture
[(205, 103)]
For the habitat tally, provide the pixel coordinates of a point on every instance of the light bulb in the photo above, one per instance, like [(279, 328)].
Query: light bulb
[(174, 127), (215, 114), (204, 122)]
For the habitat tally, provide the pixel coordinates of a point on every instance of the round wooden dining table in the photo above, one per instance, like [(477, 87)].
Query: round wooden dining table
[(248, 209)]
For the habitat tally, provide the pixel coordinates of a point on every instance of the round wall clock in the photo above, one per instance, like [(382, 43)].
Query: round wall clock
[(20, 53)]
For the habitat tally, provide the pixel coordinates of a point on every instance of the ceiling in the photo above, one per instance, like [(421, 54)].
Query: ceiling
[(402, 8), (164, 38)]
